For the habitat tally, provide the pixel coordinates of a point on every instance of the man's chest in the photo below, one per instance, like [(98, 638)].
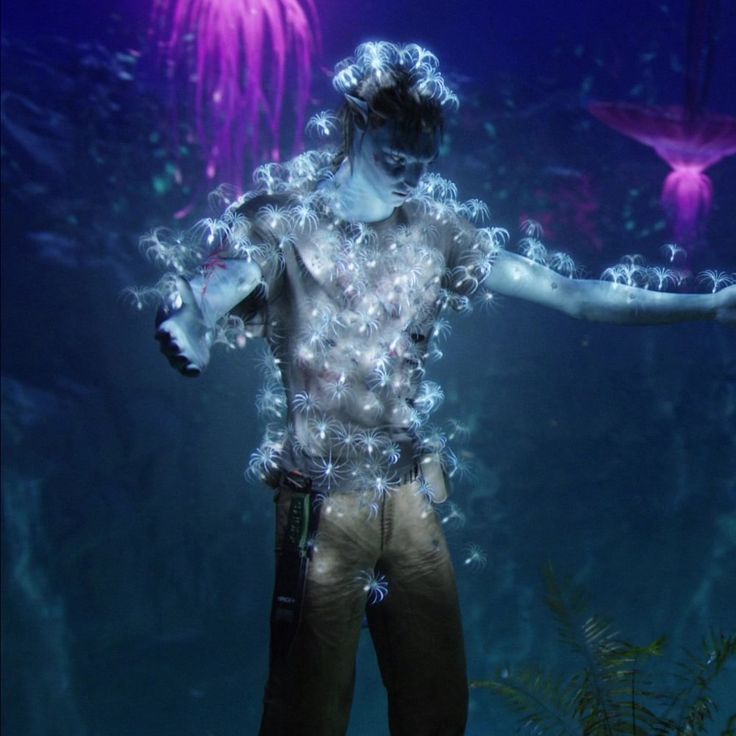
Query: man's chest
[(365, 281)]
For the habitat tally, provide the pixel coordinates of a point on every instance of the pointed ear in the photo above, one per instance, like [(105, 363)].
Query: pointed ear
[(360, 108)]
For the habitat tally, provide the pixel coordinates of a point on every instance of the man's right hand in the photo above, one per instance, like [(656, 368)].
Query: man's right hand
[(725, 301), (182, 334)]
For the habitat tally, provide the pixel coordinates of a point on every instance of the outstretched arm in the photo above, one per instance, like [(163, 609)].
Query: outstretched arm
[(185, 328), (604, 301)]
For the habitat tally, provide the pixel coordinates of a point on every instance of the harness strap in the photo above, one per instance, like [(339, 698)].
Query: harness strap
[(292, 565)]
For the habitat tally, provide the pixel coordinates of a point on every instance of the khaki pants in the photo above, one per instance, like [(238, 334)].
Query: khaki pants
[(416, 629)]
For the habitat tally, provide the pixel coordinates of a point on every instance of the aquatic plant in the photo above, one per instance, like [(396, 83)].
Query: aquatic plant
[(613, 692), (689, 146), (686, 137), (234, 58)]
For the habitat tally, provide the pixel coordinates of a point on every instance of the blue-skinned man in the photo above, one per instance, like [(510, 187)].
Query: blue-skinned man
[(344, 262)]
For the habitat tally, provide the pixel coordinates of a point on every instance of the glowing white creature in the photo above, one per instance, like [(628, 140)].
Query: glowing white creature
[(374, 584), (474, 557)]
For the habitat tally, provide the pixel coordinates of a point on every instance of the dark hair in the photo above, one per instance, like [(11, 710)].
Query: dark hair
[(395, 102)]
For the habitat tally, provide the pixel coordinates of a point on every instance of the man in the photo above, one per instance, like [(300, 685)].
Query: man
[(344, 264)]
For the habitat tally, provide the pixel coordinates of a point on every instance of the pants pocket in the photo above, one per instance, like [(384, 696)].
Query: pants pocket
[(434, 475)]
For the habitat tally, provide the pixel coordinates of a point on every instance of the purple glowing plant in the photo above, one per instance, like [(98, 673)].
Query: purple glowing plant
[(686, 137), (234, 57), (689, 147)]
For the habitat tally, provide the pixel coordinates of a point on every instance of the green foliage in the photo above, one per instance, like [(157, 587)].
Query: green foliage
[(546, 705), (613, 692)]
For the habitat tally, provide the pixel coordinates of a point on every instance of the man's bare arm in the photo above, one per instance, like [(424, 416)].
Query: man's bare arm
[(604, 301), (185, 328)]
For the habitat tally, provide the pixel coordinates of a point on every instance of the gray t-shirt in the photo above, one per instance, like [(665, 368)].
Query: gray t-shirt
[(351, 314)]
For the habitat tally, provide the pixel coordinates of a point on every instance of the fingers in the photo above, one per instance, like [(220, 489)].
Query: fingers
[(725, 301), (189, 370), (174, 353)]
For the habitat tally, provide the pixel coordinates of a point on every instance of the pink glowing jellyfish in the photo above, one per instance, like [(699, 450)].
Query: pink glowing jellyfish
[(686, 137), (234, 58)]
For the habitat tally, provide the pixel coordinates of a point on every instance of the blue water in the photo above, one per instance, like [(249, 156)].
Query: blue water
[(137, 560)]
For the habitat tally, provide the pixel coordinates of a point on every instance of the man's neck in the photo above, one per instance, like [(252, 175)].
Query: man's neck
[(352, 198)]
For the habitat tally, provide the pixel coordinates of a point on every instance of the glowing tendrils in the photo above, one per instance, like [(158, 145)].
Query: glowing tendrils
[(327, 471), (453, 517), (374, 584), (379, 60), (673, 251), (323, 124), (475, 557), (715, 280), (234, 59)]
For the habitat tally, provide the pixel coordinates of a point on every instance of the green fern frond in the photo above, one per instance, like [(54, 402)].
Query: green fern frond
[(547, 705), (568, 605), (605, 681), (612, 694), (693, 702), (730, 729)]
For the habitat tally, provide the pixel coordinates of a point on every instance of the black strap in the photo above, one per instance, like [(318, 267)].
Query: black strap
[(292, 565)]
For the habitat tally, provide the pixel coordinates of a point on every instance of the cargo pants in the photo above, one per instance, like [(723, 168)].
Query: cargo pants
[(416, 628)]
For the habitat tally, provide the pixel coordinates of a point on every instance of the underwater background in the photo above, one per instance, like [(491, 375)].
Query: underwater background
[(137, 559)]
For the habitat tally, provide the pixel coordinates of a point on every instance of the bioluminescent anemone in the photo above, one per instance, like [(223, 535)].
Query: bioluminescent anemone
[(233, 57), (686, 137)]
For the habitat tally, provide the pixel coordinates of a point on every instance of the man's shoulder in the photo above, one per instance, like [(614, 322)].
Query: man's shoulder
[(288, 184), (253, 203), (438, 217)]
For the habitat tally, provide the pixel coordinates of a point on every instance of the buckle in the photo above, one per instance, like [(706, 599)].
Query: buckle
[(296, 481)]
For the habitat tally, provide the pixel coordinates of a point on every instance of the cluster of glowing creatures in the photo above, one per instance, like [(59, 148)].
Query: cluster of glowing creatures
[(379, 60), (381, 280), (365, 346), (630, 271), (346, 456)]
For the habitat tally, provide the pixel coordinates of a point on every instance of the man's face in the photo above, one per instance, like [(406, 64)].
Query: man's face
[(389, 165)]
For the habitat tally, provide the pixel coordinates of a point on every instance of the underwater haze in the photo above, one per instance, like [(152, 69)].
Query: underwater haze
[(137, 554)]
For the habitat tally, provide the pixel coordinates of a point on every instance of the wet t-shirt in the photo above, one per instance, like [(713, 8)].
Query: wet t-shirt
[(352, 314)]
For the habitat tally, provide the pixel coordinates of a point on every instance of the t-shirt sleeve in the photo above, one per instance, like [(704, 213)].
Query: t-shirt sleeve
[(258, 226), (470, 253)]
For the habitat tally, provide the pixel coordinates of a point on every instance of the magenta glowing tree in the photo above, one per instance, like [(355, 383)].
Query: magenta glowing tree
[(687, 138), (233, 66)]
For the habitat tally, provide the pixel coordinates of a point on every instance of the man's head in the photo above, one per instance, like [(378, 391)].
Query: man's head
[(392, 118), (389, 160)]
